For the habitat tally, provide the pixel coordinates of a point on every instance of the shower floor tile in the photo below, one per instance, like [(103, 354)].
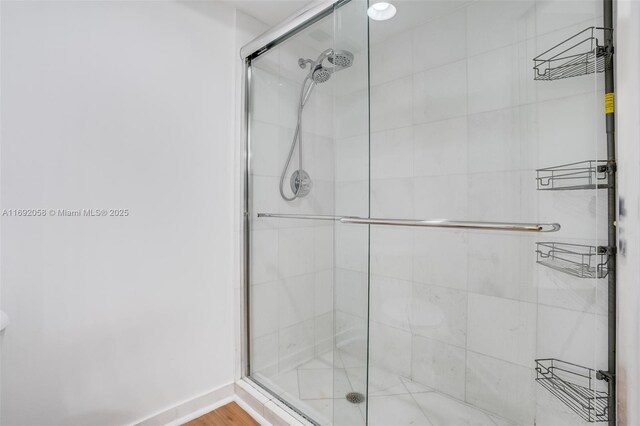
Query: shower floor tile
[(318, 389)]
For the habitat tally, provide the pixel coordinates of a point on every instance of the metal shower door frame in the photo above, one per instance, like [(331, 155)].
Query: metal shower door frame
[(254, 49)]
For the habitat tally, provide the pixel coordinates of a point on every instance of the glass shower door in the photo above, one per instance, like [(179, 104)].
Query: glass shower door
[(405, 181), (351, 131), (467, 325), (308, 273)]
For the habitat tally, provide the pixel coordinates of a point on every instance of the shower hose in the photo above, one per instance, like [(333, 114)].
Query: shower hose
[(305, 92)]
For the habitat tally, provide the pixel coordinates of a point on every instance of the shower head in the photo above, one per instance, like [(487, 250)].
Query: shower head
[(341, 58), (320, 74), (338, 58)]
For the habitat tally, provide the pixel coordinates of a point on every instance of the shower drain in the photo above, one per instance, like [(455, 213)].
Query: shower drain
[(355, 397)]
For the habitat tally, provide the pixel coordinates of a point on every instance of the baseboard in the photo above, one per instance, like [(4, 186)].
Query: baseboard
[(192, 408), (200, 412), (259, 404)]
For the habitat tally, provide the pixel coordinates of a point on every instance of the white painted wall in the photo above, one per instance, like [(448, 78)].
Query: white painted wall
[(116, 105), (628, 135)]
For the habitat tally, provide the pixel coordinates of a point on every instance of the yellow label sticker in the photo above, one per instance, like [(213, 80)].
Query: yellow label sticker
[(608, 103)]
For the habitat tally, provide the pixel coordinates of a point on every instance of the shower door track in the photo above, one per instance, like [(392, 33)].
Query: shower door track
[(286, 29)]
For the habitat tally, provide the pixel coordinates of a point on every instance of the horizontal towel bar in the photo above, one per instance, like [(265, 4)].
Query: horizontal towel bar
[(437, 223)]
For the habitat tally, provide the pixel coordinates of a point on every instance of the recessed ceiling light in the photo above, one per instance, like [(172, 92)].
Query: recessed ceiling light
[(381, 11)]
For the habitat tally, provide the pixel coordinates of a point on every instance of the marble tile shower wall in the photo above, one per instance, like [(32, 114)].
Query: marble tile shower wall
[(458, 127), (291, 260)]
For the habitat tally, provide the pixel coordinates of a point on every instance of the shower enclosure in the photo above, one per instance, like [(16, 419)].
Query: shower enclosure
[(429, 213)]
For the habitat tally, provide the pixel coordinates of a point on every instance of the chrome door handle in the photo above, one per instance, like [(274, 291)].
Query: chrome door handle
[(436, 223), (458, 224)]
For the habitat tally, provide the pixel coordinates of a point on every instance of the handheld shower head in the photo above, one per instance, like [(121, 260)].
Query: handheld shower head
[(341, 58), (318, 73), (338, 58), (321, 74)]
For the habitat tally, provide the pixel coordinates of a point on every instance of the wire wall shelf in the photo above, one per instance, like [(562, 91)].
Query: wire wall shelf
[(581, 261), (580, 388), (581, 54), (592, 174)]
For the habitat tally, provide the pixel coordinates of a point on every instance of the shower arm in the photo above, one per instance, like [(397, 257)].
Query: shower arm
[(437, 223)]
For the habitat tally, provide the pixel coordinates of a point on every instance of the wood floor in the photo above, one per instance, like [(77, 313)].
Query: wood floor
[(228, 415)]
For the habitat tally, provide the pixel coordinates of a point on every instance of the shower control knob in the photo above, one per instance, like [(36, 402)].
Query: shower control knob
[(301, 183)]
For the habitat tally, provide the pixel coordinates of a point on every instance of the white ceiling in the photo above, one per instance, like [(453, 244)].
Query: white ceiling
[(410, 13), (271, 12)]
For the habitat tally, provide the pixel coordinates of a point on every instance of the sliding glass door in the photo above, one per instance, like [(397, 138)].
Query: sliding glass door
[(308, 273), (471, 326), (428, 215)]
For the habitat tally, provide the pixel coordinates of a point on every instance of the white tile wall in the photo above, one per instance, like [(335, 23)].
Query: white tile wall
[(572, 335), (440, 148), (389, 348), (503, 140), (495, 24), (351, 113), (391, 252), (566, 137), (264, 259), (552, 412), (391, 154), (392, 197), (296, 302), (478, 308), (506, 200), (501, 387), (440, 257), (502, 328), (352, 199), (264, 318), (502, 266), (392, 59), (295, 344), (439, 313), (391, 302), (262, 359), (568, 292), (351, 292), (391, 104), (296, 253), (583, 215), (439, 93), (351, 164), (441, 197), (266, 147), (440, 42), (493, 79), (265, 93), (439, 366), (323, 292), (351, 247), (554, 15)]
